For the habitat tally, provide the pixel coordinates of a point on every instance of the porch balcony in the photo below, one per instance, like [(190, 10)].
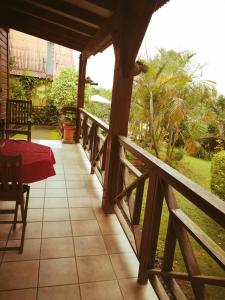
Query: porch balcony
[(72, 249)]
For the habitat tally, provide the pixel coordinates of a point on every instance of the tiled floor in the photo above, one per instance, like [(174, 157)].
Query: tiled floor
[(72, 250)]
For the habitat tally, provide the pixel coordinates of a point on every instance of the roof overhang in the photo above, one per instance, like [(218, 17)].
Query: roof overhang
[(82, 25)]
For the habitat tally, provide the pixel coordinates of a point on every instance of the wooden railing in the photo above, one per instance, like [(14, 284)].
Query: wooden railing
[(94, 134), (149, 192)]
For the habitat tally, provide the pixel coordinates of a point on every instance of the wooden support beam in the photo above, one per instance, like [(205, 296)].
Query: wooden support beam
[(46, 31), (127, 28), (70, 10), (80, 94), (50, 17)]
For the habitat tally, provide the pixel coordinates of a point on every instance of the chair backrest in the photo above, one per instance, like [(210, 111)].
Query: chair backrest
[(10, 172), (19, 111)]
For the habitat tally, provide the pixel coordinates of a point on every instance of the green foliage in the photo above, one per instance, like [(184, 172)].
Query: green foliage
[(218, 174), (64, 88), (177, 154), (170, 103), (47, 115), (16, 89)]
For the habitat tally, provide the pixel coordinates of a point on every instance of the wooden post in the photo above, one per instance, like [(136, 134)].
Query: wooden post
[(127, 35), (80, 94), (120, 108)]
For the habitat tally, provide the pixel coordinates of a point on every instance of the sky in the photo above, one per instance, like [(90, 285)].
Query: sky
[(194, 25)]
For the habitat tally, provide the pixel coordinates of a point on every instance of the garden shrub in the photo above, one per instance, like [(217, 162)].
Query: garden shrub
[(218, 174), (16, 89), (177, 154), (45, 115)]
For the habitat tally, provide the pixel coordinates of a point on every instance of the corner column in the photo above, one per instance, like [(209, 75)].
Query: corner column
[(80, 94)]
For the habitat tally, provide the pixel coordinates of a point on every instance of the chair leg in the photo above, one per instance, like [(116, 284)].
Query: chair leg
[(15, 216), (23, 226)]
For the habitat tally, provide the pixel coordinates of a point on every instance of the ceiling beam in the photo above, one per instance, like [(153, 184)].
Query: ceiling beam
[(9, 16), (51, 17), (49, 33), (101, 40), (69, 10), (109, 4)]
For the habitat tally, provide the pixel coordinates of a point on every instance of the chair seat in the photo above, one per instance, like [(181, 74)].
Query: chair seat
[(11, 194)]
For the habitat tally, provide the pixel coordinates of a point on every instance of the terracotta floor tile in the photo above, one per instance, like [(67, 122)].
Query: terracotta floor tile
[(131, 290), (57, 247), (37, 193), (103, 290), (67, 292), (75, 184), (79, 202), (117, 243), (56, 203), (89, 245), (36, 203), (125, 265), (77, 192), (33, 231), (57, 272), (94, 268), (56, 214), (109, 225), (56, 229), (58, 177), (81, 213), (19, 275), (4, 232), (55, 185), (38, 185), (27, 294), (55, 193), (85, 227), (31, 250), (35, 215)]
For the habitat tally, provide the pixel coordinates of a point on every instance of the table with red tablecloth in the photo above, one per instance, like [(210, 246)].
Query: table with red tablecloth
[(37, 160)]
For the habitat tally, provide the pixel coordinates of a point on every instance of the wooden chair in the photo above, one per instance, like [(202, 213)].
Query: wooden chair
[(18, 118), (2, 129), (12, 189)]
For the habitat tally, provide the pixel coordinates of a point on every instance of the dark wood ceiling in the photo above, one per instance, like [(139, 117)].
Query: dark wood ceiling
[(77, 24)]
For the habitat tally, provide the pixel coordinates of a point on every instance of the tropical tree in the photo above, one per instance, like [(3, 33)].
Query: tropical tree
[(162, 100)]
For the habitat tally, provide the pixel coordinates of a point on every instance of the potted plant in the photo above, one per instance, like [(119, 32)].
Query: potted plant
[(68, 128)]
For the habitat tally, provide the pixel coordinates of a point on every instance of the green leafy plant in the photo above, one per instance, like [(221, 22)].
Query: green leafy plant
[(218, 174), (64, 88), (16, 89)]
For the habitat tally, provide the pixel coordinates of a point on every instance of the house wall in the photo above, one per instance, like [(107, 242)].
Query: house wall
[(4, 83)]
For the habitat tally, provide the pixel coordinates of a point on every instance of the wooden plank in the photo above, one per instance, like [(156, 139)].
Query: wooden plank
[(52, 17), (98, 121), (205, 241), (206, 201), (212, 280), (50, 33), (152, 217), (159, 289), (70, 10)]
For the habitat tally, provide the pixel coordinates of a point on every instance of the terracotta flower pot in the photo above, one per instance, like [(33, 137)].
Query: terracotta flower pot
[(68, 133)]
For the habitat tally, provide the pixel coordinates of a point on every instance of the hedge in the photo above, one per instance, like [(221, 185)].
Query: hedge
[(218, 174)]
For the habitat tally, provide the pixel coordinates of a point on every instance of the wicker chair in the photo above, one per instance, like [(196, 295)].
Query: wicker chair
[(12, 189)]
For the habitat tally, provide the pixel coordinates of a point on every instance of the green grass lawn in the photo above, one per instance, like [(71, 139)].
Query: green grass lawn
[(42, 133), (197, 170)]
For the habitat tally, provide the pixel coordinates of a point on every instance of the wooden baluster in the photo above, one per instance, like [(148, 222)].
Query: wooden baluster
[(138, 202), (186, 247), (85, 127), (149, 239)]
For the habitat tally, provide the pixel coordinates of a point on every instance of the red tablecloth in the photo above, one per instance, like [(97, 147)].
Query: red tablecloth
[(38, 160)]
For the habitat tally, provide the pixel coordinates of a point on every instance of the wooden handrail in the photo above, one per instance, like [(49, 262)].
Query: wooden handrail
[(132, 201)]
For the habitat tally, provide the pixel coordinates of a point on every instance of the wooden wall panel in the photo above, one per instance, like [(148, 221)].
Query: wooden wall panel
[(4, 86)]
